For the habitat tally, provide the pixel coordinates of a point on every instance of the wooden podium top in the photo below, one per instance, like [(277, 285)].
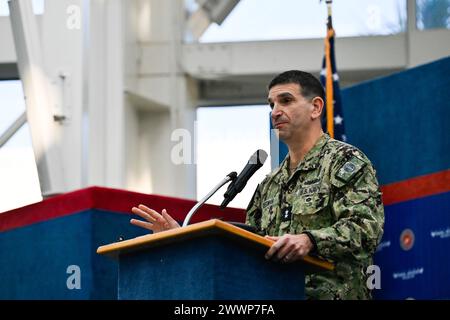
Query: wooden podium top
[(208, 227)]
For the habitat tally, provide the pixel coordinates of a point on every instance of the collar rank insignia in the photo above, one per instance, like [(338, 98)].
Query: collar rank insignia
[(286, 214)]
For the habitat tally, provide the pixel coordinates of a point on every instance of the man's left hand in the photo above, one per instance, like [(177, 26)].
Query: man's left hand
[(289, 247)]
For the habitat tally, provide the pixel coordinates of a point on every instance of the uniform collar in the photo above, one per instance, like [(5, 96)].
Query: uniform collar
[(309, 162)]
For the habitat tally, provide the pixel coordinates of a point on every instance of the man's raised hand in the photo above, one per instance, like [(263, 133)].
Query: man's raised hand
[(153, 220)]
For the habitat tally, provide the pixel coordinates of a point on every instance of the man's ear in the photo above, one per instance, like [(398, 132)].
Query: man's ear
[(318, 105)]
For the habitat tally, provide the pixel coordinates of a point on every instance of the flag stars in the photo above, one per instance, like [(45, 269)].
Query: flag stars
[(338, 120)]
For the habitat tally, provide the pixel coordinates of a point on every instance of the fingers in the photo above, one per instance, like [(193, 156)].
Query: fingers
[(154, 221), (287, 248), (292, 256), (172, 223), (155, 215), (275, 247), (143, 214), (142, 224)]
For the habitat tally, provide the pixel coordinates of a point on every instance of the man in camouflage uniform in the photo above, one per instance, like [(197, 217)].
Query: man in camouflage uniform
[(323, 200)]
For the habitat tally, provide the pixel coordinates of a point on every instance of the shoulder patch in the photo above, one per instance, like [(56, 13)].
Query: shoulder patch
[(348, 170)]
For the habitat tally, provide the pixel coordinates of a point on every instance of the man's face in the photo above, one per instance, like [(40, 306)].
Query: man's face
[(291, 112)]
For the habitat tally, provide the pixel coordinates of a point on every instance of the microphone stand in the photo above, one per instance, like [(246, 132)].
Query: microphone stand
[(230, 177)]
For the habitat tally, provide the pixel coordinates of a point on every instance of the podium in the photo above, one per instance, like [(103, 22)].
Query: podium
[(210, 260)]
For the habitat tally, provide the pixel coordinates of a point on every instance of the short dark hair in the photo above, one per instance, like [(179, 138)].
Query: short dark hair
[(310, 87)]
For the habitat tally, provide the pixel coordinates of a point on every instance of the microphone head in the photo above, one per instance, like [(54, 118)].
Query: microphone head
[(238, 183), (258, 158)]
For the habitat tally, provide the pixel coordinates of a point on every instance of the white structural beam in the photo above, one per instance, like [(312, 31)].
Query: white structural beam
[(398, 51), (221, 60), (45, 131), (12, 129), (62, 38), (150, 100), (8, 57), (161, 100), (8, 52), (128, 115), (208, 12), (103, 112)]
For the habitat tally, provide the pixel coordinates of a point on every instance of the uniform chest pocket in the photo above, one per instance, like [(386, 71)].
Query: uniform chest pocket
[(311, 212), (310, 203)]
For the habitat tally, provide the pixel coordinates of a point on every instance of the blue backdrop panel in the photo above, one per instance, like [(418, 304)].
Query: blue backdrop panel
[(34, 259), (423, 270), (402, 121)]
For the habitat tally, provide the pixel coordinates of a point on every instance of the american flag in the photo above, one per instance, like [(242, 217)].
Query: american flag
[(334, 117)]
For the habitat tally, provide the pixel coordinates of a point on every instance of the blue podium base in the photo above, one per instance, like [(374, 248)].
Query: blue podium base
[(207, 268)]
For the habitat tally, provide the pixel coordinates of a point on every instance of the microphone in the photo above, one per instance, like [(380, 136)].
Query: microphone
[(255, 162)]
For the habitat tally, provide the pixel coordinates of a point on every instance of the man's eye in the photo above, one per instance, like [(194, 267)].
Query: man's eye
[(285, 101)]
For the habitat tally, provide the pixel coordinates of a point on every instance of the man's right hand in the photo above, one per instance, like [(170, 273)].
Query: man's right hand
[(154, 221)]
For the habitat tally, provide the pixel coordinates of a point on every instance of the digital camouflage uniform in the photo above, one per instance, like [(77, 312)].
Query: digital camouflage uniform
[(334, 197)]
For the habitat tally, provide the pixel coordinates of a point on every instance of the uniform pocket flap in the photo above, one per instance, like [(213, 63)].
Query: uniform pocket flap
[(310, 203)]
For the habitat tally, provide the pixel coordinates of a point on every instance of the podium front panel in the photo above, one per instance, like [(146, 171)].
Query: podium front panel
[(207, 268)]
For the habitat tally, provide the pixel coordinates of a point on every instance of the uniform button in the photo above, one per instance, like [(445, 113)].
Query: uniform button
[(308, 201)]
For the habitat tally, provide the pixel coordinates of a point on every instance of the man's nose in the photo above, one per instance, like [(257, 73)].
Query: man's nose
[(276, 113)]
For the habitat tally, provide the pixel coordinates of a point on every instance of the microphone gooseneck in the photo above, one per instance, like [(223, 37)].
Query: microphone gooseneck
[(230, 177)]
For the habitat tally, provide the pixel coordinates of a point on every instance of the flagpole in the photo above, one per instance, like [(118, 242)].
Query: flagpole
[(329, 73)]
